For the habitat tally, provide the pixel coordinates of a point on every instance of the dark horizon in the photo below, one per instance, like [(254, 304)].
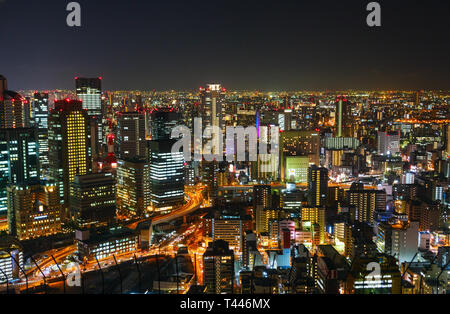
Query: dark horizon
[(256, 45)]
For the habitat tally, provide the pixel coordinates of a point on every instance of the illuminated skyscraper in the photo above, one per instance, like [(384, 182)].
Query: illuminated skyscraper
[(166, 175), (296, 143), (93, 199), (131, 135), (40, 104), (89, 91), (366, 203), (19, 160), (68, 137), (317, 186), (163, 121), (13, 108), (40, 101), (133, 187), (218, 268), (212, 104), (343, 118)]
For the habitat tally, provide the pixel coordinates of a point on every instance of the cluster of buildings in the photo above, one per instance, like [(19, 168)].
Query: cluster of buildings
[(355, 201)]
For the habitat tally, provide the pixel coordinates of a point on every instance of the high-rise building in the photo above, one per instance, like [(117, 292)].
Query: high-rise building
[(212, 104), (133, 187), (163, 121), (218, 268), (14, 109), (40, 105), (131, 135), (317, 186), (230, 230), (296, 143), (343, 118), (89, 91), (210, 171), (261, 201), (93, 199), (68, 137), (388, 143), (315, 216), (166, 175), (33, 210), (41, 110), (366, 203), (19, 160)]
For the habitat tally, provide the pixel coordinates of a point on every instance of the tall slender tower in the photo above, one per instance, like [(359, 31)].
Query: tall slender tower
[(317, 186), (343, 117), (68, 137), (89, 91), (40, 104)]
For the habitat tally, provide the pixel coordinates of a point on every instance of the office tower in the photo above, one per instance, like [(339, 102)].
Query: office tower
[(19, 160), (40, 105), (33, 210), (297, 143), (13, 108), (366, 203), (11, 253), (399, 240), (315, 216), (163, 121), (343, 118), (230, 230), (317, 186), (131, 135), (40, 101), (89, 91), (93, 199), (209, 171), (291, 200), (212, 104), (218, 268), (296, 169), (68, 137), (166, 175), (133, 187), (261, 201), (388, 143)]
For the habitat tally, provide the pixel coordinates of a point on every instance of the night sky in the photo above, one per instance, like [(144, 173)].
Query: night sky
[(246, 44)]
